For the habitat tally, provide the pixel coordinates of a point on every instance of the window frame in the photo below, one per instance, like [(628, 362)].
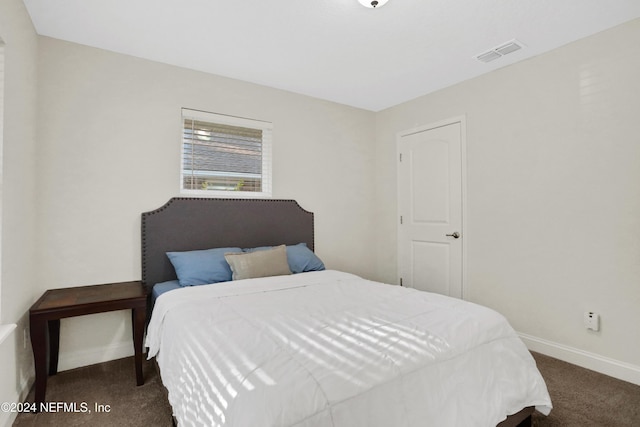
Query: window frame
[(266, 175)]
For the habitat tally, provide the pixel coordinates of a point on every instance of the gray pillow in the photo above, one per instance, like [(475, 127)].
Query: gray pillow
[(270, 262)]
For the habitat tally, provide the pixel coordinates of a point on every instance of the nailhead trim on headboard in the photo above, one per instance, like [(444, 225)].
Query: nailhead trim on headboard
[(300, 220)]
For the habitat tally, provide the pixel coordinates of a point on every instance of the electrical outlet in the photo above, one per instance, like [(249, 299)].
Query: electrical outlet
[(592, 320)]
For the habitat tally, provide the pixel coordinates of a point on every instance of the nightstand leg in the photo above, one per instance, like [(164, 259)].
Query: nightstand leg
[(38, 332), (138, 317), (54, 345)]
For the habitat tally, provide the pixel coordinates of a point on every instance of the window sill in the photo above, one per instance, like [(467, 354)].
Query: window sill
[(226, 194), (5, 331)]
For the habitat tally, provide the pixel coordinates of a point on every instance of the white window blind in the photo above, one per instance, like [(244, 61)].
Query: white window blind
[(225, 156)]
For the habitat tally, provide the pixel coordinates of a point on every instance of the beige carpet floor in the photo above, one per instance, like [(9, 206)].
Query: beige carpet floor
[(112, 383), (586, 398), (580, 397)]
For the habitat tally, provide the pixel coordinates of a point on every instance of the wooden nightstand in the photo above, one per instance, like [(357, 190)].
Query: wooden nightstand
[(56, 304)]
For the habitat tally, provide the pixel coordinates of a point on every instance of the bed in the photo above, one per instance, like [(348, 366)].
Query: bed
[(319, 347)]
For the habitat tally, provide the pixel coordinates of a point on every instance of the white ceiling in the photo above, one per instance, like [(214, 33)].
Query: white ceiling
[(336, 50)]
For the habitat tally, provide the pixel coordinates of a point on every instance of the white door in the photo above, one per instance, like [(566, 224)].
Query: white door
[(430, 193)]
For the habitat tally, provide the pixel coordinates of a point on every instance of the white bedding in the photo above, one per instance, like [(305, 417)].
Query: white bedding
[(332, 349)]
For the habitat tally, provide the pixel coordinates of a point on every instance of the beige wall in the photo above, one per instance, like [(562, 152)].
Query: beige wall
[(109, 149), (553, 204), (19, 263)]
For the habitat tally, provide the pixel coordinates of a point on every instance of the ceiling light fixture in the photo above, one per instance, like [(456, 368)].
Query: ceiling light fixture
[(372, 4)]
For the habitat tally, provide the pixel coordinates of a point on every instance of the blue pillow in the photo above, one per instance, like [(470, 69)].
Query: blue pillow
[(299, 257), (202, 267)]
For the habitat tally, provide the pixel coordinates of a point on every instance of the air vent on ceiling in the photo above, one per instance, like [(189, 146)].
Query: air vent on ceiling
[(500, 51)]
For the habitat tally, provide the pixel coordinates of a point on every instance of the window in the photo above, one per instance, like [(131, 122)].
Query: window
[(225, 156)]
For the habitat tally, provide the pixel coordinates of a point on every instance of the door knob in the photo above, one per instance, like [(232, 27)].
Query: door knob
[(455, 235)]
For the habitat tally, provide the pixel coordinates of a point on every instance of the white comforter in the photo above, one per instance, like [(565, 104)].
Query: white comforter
[(332, 349)]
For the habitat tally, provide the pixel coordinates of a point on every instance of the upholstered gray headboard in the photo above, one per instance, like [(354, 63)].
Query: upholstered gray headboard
[(184, 224)]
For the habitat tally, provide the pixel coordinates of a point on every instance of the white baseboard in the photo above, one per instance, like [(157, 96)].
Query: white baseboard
[(92, 356), (614, 368), (7, 418), (5, 331)]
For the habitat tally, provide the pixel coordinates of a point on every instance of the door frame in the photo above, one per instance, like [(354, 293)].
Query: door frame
[(463, 167)]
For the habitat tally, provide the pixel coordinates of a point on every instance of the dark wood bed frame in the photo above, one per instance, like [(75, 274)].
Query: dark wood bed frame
[(185, 223)]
